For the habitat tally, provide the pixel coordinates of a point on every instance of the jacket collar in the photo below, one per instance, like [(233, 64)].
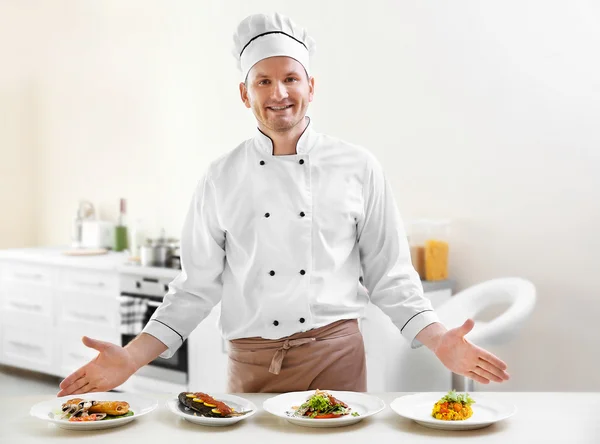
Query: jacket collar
[(305, 143)]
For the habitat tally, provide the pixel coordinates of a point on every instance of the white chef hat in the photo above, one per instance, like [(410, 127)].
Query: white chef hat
[(261, 36)]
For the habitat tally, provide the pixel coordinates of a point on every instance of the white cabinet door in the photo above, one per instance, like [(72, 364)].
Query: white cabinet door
[(45, 310), (28, 303), (89, 281), (27, 316), (28, 346), (208, 356), (77, 312), (87, 305), (25, 273)]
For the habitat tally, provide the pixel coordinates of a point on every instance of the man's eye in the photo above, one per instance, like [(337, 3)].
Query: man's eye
[(263, 82), (291, 79)]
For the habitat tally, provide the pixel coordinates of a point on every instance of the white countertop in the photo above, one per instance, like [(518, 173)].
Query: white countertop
[(566, 418), (110, 261)]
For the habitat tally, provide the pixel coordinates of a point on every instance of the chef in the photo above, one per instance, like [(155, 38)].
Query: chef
[(282, 230)]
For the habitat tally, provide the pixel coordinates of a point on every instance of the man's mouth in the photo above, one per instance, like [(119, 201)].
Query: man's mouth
[(279, 108)]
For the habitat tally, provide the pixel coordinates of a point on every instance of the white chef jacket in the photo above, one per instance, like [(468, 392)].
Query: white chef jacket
[(281, 242)]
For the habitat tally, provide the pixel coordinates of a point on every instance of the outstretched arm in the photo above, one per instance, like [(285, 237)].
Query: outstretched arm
[(461, 356)]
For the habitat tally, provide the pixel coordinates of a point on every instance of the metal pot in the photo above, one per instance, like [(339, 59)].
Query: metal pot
[(176, 257), (155, 255), (162, 255)]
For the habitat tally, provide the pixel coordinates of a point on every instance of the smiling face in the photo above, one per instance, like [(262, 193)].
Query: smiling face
[(278, 91)]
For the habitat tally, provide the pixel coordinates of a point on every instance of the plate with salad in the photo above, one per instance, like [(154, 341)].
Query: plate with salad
[(324, 408)]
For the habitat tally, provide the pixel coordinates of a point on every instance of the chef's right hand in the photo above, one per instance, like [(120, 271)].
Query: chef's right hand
[(111, 368)]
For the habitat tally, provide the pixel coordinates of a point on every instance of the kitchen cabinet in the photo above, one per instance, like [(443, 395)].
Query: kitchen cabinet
[(89, 281), (25, 273), (28, 346), (27, 317), (46, 308), (28, 304)]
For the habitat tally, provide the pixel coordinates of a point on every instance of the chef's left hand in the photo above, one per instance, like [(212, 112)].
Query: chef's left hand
[(462, 357)]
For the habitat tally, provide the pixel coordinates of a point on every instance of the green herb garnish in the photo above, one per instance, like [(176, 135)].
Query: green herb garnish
[(452, 396), (319, 403), (129, 413)]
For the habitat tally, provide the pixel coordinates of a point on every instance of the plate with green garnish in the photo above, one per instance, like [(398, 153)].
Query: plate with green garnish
[(94, 410), (324, 408), (454, 410)]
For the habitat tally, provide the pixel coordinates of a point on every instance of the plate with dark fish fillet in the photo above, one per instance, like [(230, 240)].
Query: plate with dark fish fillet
[(212, 410)]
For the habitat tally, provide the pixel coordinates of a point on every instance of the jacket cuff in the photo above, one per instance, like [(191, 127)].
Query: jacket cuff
[(164, 334), (417, 323)]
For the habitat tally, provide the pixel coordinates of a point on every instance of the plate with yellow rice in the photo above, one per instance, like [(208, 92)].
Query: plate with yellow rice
[(452, 410)]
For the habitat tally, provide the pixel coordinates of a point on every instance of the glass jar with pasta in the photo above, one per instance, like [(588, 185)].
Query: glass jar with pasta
[(429, 248)]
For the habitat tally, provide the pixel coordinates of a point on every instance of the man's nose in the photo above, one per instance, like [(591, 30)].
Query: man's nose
[(279, 91)]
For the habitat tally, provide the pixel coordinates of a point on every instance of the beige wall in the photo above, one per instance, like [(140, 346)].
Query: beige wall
[(486, 114), (18, 135)]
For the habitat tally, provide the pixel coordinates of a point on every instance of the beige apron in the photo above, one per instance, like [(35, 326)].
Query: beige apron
[(328, 358)]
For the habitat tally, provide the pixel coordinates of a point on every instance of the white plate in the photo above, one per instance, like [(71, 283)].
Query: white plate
[(51, 410), (366, 405), (235, 402), (486, 411)]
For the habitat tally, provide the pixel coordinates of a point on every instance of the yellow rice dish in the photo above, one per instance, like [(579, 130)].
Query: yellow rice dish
[(453, 407)]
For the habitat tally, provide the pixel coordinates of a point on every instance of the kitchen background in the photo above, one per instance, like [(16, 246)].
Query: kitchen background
[(484, 113)]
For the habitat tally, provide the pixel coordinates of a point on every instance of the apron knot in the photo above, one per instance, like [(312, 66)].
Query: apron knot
[(277, 360)]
